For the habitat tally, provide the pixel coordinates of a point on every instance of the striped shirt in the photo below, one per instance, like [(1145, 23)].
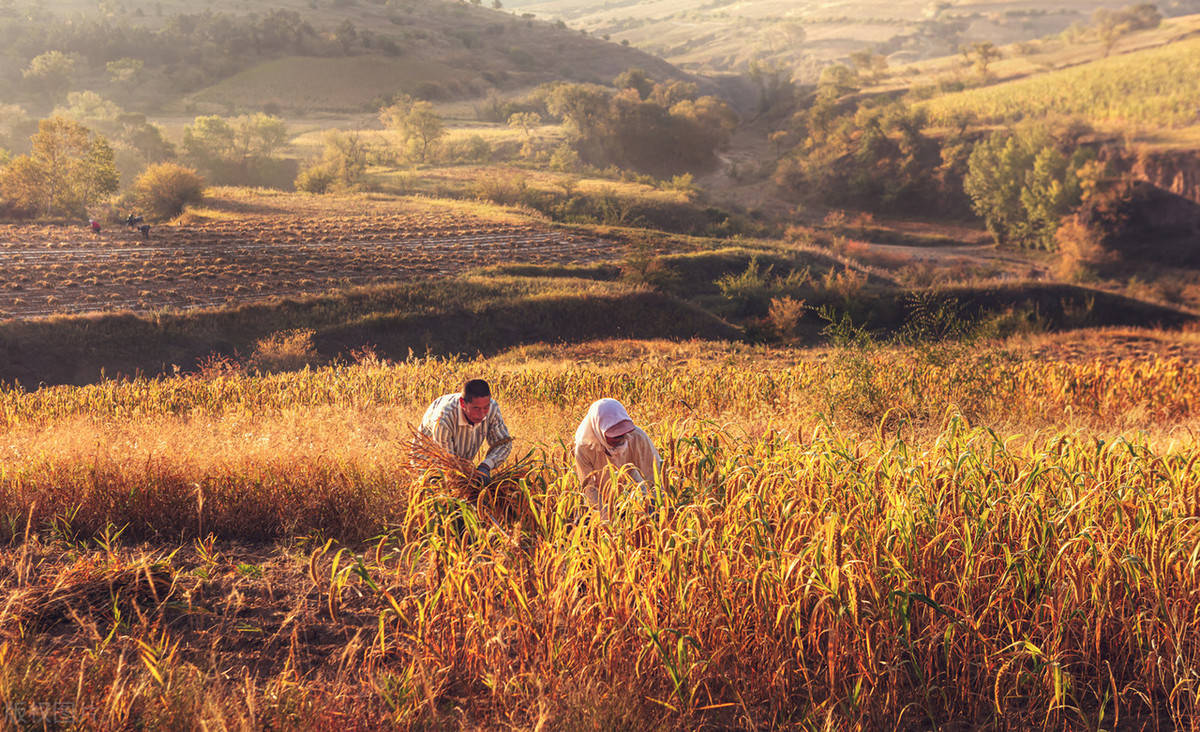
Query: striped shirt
[(445, 423)]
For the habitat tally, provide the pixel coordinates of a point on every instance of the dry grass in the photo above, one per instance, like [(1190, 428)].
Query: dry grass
[(889, 563)]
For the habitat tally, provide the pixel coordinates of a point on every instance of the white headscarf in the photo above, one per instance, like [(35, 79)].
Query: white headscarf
[(601, 416)]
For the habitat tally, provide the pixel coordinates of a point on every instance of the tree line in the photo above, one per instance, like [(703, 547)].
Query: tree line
[(880, 155), (70, 171), (656, 128), (73, 161)]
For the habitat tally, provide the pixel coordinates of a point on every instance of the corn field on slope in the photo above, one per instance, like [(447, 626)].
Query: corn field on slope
[(867, 540), (1155, 88)]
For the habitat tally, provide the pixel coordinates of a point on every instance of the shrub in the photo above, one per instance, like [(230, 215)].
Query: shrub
[(504, 189), (844, 284), (785, 314), (473, 149), (163, 189), (1082, 254), (685, 183), (288, 350), (564, 159), (316, 179), (751, 292)]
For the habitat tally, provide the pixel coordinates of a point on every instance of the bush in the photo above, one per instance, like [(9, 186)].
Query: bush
[(289, 350), (163, 189), (752, 291), (473, 149), (564, 159), (1082, 254), (785, 314), (844, 285), (316, 179), (504, 189)]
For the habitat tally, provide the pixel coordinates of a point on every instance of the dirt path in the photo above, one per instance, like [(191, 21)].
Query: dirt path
[(739, 180), (1006, 263)]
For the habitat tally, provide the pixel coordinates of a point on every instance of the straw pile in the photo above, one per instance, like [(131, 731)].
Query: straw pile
[(88, 589)]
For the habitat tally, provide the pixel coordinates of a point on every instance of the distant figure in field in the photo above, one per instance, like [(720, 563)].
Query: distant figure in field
[(145, 229), (132, 221), (461, 421), (608, 438), (94, 225)]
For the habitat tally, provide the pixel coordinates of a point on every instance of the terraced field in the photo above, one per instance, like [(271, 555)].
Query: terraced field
[(257, 248)]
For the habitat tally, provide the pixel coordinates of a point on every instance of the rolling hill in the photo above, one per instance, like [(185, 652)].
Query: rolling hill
[(727, 36), (296, 56)]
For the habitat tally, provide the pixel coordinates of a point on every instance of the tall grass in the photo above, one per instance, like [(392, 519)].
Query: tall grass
[(808, 559)]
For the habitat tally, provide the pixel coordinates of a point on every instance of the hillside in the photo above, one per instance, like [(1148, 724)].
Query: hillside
[(725, 36), (293, 56), (1155, 87)]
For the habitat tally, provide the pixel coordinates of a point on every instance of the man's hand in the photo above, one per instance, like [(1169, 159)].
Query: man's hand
[(483, 473)]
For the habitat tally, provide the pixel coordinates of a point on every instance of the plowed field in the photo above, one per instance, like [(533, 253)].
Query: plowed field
[(257, 248)]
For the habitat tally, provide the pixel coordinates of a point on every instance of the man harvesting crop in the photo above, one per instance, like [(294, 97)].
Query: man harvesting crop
[(461, 421)]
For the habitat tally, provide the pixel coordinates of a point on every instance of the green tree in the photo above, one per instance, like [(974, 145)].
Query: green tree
[(146, 139), (22, 187), (345, 34), (68, 169), (837, 81), (994, 179), (93, 110), (1110, 26), (584, 107), (258, 136), (981, 55), (78, 165), (208, 141), (525, 121), (232, 149), (98, 174), (669, 93), (51, 73), (713, 119), (125, 70), (634, 78), (419, 126), (877, 158), (1051, 190), (341, 167), (773, 79), (15, 126), (1022, 185), (868, 64)]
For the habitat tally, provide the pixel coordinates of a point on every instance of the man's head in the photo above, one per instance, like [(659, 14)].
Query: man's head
[(475, 400)]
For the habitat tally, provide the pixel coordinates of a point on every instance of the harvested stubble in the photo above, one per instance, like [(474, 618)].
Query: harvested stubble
[(89, 588)]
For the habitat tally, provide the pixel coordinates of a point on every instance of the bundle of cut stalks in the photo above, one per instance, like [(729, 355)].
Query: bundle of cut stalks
[(500, 496), (89, 590)]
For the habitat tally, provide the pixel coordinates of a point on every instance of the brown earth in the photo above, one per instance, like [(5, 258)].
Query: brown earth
[(259, 247)]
